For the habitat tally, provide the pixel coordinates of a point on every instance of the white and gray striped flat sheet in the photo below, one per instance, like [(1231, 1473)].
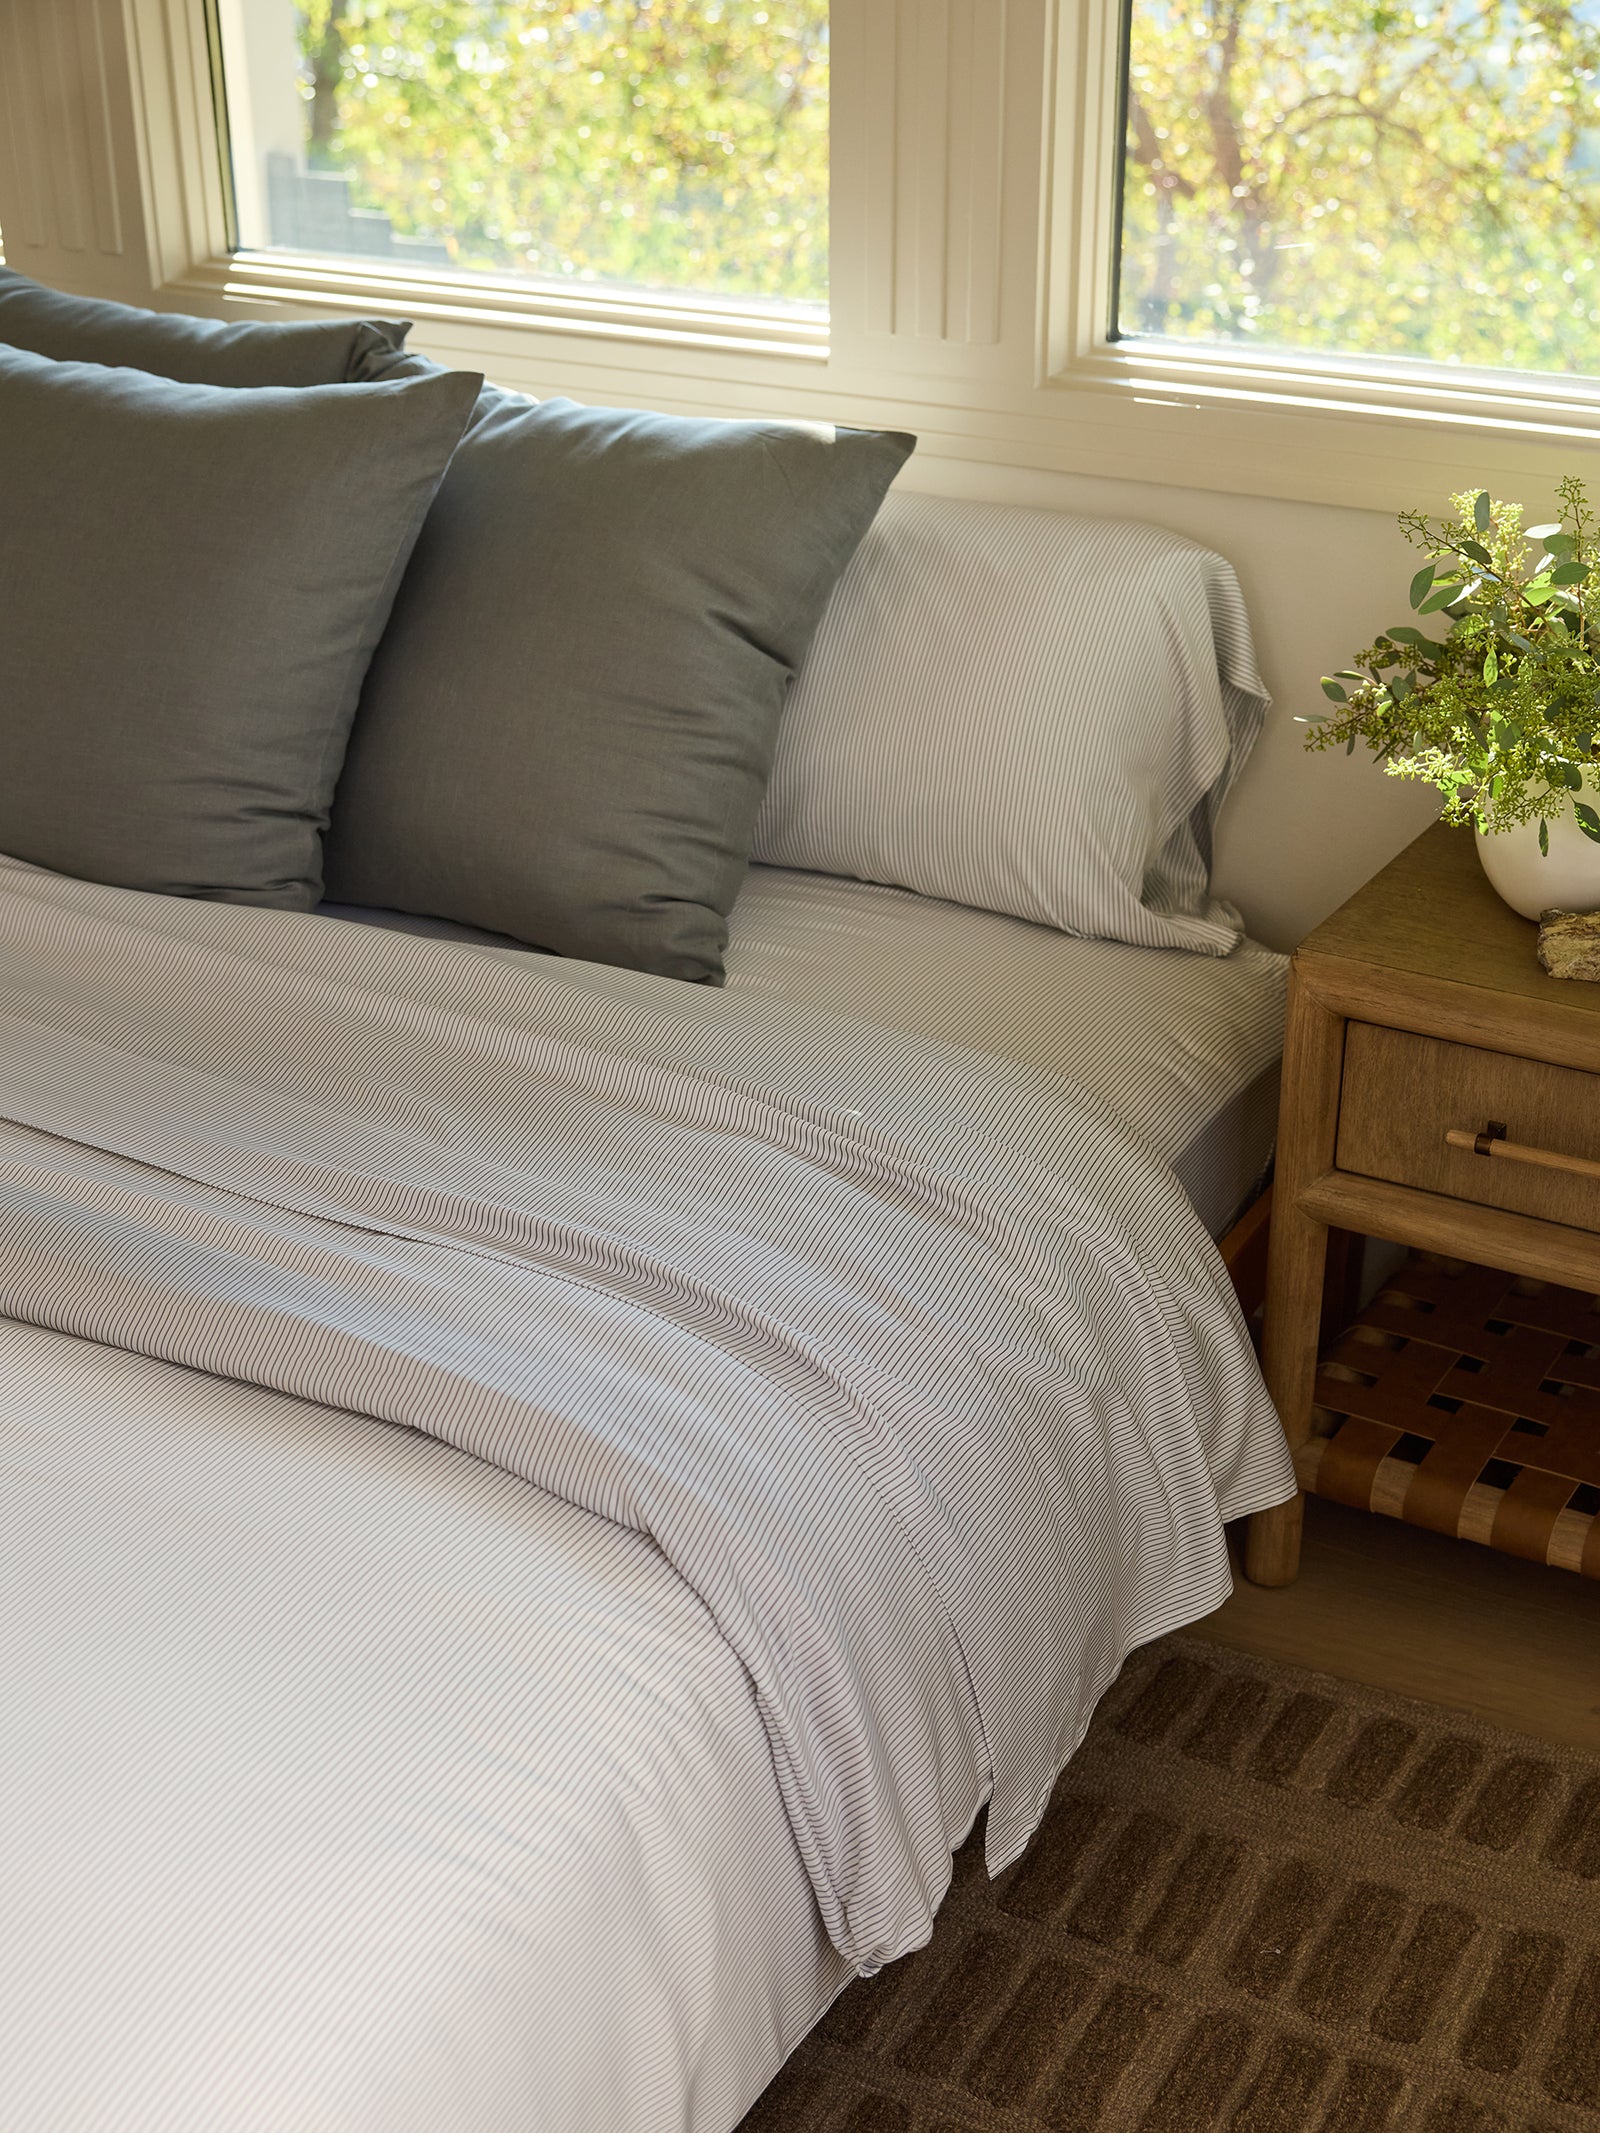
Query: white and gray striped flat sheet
[(929, 1386)]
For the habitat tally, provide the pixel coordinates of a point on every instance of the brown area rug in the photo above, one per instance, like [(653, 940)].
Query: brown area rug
[(1263, 1900)]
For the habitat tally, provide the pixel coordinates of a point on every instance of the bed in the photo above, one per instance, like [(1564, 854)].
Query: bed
[(540, 1502), (477, 1804)]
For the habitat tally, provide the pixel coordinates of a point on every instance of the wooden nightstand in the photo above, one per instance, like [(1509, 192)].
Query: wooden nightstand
[(1422, 1033)]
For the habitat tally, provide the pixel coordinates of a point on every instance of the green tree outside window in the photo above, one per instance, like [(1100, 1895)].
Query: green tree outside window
[(678, 144), (1367, 179)]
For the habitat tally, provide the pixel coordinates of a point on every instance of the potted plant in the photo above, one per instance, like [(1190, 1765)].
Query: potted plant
[(1502, 713)]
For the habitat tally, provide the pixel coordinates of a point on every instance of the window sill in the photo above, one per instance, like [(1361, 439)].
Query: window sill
[(1284, 428), (464, 303), (1516, 403)]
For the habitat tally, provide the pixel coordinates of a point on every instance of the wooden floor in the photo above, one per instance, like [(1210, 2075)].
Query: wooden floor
[(1455, 1624)]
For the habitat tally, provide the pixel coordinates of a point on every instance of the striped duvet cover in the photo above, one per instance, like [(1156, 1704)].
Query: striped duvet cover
[(917, 1379)]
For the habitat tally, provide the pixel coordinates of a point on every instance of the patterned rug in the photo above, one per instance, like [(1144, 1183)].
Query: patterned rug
[(1263, 1900)]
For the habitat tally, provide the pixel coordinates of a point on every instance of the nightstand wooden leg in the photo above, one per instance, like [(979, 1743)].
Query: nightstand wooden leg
[(1272, 1544), (1313, 1055), (1292, 1335)]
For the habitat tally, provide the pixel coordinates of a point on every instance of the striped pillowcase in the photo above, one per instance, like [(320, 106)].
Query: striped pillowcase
[(1027, 712)]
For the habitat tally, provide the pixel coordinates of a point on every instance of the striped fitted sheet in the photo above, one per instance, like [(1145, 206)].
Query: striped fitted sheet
[(928, 1402), (1183, 1048)]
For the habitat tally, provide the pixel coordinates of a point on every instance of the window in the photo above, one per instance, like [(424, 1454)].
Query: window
[(663, 145), (1418, 209), (1363, 179)]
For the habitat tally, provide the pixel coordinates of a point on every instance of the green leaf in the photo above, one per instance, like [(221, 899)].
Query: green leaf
[(1403, 633), (1560, 544), (1491, 667), (1568, 574), (1442, 596), (1588, 820), (1400, 688), (1332, 689), (1482, 514), (1478, 553), (1544, 837), (1536, 592), (1350, 745), (1422, 584)]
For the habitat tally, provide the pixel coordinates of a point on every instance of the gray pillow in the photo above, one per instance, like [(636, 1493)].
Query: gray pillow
[(200, 351), (192, 581), (569, 724)]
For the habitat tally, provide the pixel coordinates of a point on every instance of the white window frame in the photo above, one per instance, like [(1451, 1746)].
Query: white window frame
[(975, 153), (198, 252), (1425, 415)]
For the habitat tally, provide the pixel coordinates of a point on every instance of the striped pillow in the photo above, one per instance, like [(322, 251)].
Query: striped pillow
[(1026, 712)]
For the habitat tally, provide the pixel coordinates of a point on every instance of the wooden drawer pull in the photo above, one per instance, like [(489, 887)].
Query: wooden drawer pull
[(1492, 1142)]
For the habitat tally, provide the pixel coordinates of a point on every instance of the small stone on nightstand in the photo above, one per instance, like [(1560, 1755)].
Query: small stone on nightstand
[(1569, 944)]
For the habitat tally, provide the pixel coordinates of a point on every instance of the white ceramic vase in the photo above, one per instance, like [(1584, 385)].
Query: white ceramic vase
[(1567, 880)]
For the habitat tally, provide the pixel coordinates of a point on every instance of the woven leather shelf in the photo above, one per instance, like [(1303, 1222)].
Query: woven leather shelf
[(1468, 1401)]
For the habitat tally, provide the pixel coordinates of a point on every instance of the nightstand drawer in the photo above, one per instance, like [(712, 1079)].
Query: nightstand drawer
[(1401, 1095)]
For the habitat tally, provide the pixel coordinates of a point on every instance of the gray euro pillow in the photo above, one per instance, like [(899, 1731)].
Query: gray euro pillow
[(568, 727), (197, 351), (192, 580)]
